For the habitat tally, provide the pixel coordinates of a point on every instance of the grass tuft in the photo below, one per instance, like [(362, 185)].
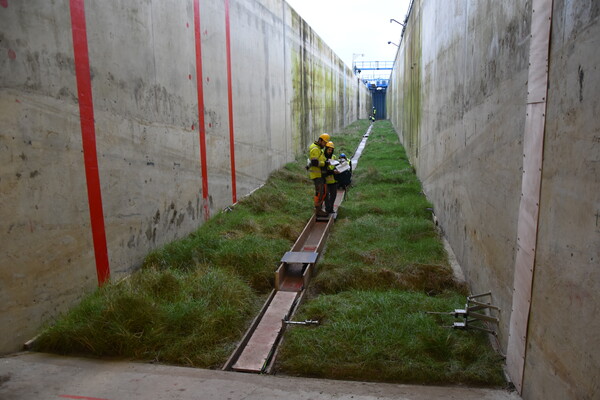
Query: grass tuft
[(386, 336), (155, 315)]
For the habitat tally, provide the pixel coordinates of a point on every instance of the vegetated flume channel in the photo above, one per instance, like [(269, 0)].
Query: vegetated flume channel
[(383, 267)]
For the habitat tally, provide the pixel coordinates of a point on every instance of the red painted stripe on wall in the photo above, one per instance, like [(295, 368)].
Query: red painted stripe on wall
[(88, 135), (201, 124), (230, 103)]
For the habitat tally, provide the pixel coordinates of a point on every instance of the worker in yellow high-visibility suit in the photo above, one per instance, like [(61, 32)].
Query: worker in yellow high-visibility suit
[(330, 178), (316, 161)]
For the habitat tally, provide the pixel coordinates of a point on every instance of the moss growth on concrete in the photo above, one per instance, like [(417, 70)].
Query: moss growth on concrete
[(412, 82), (317, 94)]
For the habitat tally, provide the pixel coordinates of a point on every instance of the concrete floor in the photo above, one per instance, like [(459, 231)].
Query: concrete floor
[(32, 376)]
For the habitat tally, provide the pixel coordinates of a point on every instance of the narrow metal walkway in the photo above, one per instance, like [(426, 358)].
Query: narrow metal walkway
[(260, 345), (257, 348)]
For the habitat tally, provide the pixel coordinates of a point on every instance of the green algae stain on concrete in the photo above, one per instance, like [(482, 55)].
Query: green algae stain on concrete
[(299, 121), (412, 87), (314, 85), (324, 93), (301, 84)]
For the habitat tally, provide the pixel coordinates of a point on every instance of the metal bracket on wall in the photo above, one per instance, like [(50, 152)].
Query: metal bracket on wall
[(470, 317)]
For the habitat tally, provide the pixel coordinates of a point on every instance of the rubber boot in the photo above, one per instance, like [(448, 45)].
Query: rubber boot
[(319, 212)]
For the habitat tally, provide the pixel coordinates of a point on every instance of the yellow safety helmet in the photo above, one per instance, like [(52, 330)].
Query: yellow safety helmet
[(330, 144), (325, 137)]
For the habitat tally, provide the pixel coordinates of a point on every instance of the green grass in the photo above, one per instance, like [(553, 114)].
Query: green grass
[(384, 237), (168, 316), (193, 299), (384, 336), (347, 141), (383, 268)]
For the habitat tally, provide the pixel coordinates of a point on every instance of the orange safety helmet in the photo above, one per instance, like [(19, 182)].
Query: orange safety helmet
[(330, 144), (325, 137)]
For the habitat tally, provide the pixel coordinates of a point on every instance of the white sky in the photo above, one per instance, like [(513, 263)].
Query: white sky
[(356, 26)]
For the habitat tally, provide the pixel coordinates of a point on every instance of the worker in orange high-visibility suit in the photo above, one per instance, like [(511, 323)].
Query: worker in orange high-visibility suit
[(316, 161)]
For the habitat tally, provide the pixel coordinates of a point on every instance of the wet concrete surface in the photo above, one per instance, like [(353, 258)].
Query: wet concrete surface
[(32, 376)]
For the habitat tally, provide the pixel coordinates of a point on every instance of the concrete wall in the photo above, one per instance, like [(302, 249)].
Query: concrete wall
[(563, 341), (458, 99), (287, 87)]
